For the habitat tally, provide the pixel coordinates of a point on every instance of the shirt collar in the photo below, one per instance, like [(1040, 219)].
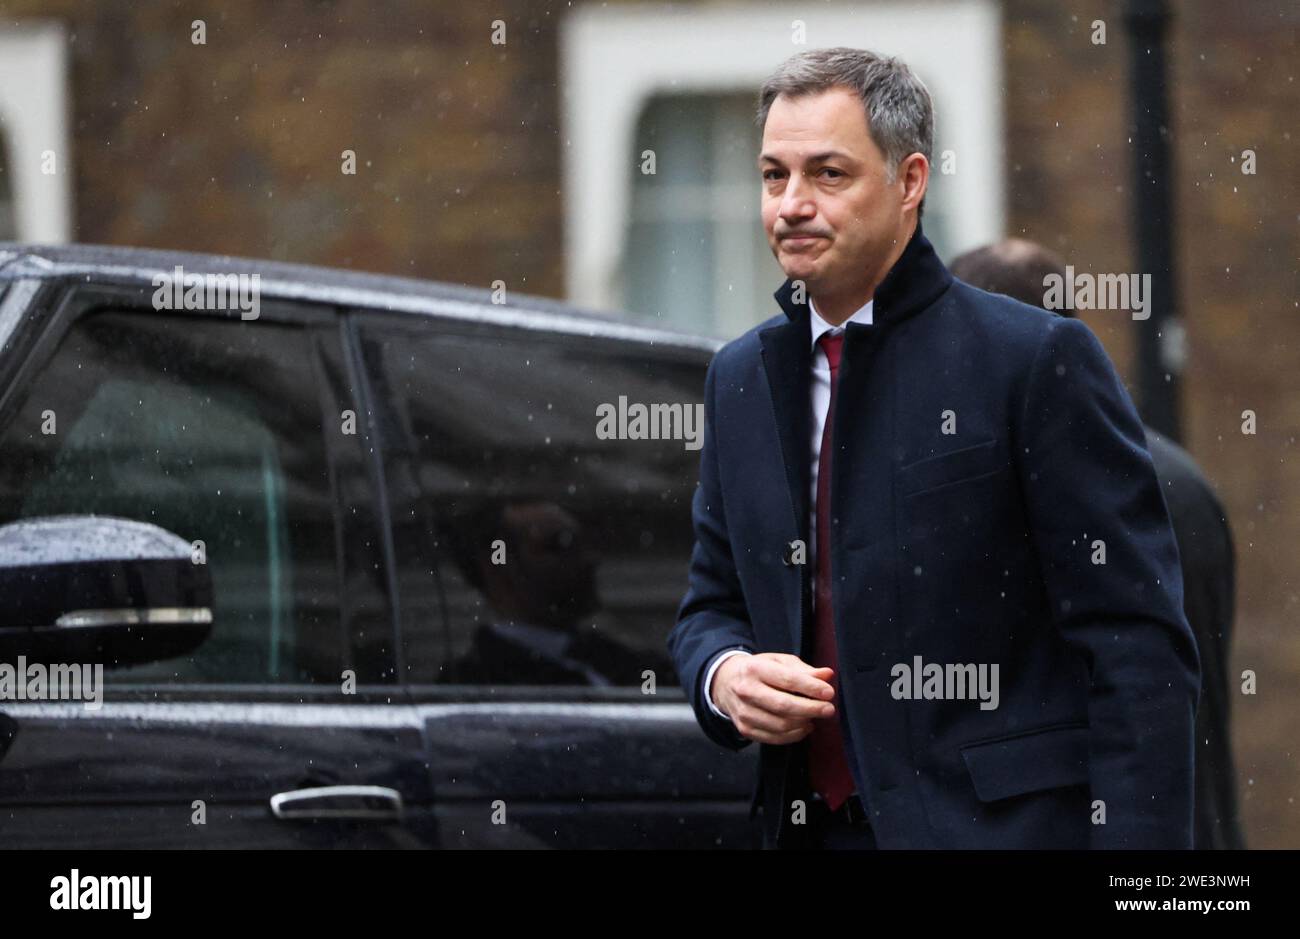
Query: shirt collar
[(819, 325)]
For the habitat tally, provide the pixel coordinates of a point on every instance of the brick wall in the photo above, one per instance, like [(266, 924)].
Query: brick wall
[(235, 146)]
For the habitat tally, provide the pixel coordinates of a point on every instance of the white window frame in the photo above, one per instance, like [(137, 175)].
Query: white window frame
[(614, 59), (34, 119)]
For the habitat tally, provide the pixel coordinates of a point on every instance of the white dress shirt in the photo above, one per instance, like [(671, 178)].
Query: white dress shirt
[(821, 402)]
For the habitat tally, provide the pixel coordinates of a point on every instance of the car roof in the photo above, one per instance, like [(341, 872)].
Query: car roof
[(307, 282)]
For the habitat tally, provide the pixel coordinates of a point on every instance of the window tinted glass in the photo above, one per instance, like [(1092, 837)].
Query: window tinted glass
[(212, 430), (531, 551)]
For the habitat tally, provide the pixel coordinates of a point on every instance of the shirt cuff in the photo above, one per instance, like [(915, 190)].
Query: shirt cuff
[(708, 678)]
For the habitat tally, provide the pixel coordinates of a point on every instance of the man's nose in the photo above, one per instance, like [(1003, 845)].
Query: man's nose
[(797, 201)]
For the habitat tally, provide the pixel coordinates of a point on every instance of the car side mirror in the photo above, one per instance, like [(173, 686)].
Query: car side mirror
[(94, 588)]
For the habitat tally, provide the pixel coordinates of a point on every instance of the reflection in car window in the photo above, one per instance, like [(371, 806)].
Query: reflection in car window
[(492, 456), (212, 430)]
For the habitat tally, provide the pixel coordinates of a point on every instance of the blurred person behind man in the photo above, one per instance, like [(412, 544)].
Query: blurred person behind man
[(1018, 268)]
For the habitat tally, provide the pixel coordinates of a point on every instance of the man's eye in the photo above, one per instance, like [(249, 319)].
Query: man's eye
[(770, 175)]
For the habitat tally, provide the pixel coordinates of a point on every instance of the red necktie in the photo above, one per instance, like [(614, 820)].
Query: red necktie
[(828, 769)]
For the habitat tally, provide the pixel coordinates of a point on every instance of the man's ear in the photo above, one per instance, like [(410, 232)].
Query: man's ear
[(914, 174)]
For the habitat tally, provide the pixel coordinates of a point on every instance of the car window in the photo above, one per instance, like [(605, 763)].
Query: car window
[(211, 429), (532, 551)]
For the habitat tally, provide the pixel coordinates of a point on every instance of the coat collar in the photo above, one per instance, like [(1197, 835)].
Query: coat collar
[(915, 281)]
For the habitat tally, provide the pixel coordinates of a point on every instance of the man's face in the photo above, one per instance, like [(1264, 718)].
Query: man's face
[(822, 175)]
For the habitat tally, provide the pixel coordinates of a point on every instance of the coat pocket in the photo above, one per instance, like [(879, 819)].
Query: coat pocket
[(1028, 761), (954, 466)]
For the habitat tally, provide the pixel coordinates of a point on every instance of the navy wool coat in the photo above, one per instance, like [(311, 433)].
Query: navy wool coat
[(993, 502)]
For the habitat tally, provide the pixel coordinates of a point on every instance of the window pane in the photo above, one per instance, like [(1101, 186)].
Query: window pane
[(492, 455), (671, 273), (213, 431), (670, 268)]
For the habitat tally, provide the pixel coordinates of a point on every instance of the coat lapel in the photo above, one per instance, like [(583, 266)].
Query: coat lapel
[(787, 359)]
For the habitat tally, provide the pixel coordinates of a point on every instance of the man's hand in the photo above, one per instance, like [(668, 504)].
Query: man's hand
[(773, 697)]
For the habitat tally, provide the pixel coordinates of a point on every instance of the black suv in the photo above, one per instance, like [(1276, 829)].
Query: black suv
[(358, 566)]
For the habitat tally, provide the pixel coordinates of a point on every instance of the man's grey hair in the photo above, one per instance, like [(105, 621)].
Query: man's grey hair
[(899, 110)]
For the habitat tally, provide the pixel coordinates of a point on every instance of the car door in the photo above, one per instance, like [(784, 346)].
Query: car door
[(283, 728), (541, 557)]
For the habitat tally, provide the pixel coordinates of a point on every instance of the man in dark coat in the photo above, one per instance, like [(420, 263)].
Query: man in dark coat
[(934, 575), (1017, 268)]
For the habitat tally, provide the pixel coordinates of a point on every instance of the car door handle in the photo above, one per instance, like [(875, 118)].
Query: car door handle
[(377, 803)]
